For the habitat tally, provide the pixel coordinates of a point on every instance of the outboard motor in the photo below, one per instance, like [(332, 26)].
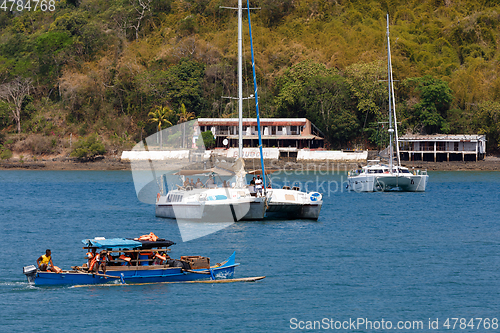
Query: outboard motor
[(30, 272)]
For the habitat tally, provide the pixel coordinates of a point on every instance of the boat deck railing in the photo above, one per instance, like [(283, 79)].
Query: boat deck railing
[(138, 261)]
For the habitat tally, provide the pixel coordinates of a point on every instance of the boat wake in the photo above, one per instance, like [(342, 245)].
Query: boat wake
[(18, 286)]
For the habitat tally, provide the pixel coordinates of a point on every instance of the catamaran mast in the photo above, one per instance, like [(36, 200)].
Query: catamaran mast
[(256, 99), (240, 82), (392, 103), (389, 80)]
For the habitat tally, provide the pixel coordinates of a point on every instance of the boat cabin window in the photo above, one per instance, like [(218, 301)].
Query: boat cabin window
[(174, 197)]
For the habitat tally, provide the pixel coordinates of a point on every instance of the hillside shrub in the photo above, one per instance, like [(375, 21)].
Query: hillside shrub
[(88, 148)]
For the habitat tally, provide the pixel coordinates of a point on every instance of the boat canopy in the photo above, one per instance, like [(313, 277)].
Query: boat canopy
[(111, 243), (158, 243), (121, 243)]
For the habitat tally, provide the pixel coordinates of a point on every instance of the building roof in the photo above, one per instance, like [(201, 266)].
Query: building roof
[(252, 121), (278, 137), (443, 137)]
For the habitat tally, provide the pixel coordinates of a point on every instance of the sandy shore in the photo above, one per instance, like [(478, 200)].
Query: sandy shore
[(490, 163)]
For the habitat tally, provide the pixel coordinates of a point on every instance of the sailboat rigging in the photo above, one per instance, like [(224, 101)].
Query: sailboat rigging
[(285, 202)]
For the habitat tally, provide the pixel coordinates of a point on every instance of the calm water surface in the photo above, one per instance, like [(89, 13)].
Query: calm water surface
[(391, 256)]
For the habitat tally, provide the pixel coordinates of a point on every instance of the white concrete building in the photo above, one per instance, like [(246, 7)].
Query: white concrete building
[(442, 147)]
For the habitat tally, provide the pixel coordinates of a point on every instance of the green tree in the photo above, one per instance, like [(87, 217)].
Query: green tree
[(89, 148), (52, 48), (206, 139), (327, 104), (487, 118), (368, 92), (184, 115), (160, 116), (291, 84), (435, 97)]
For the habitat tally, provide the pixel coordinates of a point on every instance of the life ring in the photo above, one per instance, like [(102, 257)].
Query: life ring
[(157, 197), (315, 196)]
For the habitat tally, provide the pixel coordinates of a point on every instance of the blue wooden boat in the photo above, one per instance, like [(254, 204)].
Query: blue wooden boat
[(134, 261)]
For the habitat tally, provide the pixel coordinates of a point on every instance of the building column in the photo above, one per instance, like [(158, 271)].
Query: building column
[(447, 157), (476, 149), (434, 151)]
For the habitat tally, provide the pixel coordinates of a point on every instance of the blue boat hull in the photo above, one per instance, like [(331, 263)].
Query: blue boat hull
[(149, 275)]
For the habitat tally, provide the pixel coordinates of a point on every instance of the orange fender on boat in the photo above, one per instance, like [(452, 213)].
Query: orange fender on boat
[(123, 257), (157, 255), (151, 237)]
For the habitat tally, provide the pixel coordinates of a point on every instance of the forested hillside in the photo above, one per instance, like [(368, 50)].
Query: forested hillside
[(113, 67)]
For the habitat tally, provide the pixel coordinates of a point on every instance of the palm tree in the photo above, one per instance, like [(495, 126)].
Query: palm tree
[(160, 115), (183, 117)]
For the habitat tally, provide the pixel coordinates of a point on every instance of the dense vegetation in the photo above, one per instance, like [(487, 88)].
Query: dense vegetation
[(109, 67)]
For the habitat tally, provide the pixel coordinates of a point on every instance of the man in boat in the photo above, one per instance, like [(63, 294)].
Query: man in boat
[(210, 182), (251, 187), (44, 263), (199, 184), (258, 185), (160, 258), (103, 261), (90, 256)]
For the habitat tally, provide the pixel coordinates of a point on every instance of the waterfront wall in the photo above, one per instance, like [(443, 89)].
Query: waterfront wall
[(332, 155), (303, 155)]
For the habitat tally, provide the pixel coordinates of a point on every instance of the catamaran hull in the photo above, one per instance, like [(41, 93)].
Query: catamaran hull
[(228, 212), (292, 204), (377, 183), (280, 210)]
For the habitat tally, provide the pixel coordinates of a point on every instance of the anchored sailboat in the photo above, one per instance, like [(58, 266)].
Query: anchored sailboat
[(383, 177)]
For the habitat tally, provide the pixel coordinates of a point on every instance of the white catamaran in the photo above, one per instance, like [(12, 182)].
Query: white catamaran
[(211, 202), (387, 177)]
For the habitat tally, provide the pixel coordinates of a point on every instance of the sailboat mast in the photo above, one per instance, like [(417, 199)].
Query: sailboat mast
[(240, 81), (395, 120), (389, 80), (256, 98)]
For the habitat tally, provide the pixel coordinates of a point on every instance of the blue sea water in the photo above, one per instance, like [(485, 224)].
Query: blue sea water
[(370, 256)]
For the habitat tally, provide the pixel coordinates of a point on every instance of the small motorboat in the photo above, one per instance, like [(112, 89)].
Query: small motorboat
[(139, 260)]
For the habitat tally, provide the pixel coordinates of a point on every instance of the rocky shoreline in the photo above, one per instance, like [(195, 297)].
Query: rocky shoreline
[(490, 163)]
